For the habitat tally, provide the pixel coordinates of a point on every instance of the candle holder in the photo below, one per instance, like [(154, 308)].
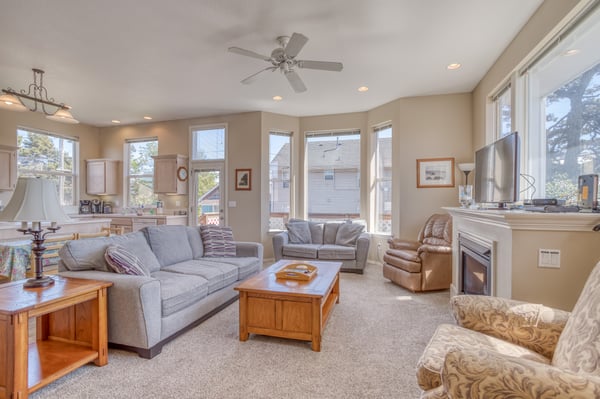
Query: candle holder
[(38, 249)]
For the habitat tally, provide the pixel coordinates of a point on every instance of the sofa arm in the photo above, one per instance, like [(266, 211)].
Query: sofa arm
[(362, 250), (533, 326), (134, 307), (279, 240), (249, 249), (487, 374), (399, 243)]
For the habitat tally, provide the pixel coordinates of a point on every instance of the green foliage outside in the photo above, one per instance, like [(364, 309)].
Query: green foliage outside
[(141, 190)]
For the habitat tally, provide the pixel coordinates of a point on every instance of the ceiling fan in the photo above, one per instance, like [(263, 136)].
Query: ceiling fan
[(284, 59)]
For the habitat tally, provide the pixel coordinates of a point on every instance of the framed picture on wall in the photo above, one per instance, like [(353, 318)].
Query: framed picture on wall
[(435, 172), (243, 179)]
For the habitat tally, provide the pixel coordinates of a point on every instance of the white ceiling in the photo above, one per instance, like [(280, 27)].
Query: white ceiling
[(123, 59)]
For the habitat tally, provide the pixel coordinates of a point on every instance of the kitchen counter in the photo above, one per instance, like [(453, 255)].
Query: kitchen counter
[(8, 230), (132, 222)]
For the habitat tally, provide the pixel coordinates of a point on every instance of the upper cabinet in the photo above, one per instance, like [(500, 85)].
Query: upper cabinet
[(170, 174), (102, 176), (8, 167)]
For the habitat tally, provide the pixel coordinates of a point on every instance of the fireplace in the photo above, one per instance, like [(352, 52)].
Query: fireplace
[(475, 266)]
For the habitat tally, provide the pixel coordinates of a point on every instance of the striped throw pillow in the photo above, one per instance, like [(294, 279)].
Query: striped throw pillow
[(218, 241), (123, 261)]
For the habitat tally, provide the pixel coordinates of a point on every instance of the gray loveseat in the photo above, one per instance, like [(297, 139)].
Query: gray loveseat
[(182, 288), (328, 241)]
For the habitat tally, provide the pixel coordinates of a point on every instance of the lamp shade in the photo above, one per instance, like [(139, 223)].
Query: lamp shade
[(63, 115), (34, 200), (11, 102), (466, 167)]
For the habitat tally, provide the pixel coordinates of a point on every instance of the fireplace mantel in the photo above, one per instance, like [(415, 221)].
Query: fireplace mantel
[(517, 237)]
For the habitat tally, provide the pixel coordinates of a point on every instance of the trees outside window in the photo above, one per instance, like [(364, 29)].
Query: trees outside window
[(52, 157), (140, 172)]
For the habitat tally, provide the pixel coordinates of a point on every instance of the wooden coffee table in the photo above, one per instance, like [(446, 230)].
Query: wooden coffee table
[(289, 308)]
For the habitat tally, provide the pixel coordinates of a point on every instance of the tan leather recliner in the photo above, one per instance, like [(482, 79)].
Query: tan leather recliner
[(422, 265)]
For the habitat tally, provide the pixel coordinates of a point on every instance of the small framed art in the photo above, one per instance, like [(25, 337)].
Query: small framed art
[(435, 172), (243, 179)]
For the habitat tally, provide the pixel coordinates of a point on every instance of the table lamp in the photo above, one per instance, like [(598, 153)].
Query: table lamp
[(35, 200)]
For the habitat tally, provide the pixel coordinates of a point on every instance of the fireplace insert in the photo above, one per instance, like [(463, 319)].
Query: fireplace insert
[(475, 267)]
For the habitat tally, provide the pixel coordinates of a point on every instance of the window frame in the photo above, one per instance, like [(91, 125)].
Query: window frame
[(289, 173), (75, 169), (377, 179), (127, 176)]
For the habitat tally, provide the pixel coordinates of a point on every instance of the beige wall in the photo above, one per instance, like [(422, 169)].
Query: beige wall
[(88, 138)]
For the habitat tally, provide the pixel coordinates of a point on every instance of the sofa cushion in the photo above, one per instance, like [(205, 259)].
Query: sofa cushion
[(170, 244), (123, 261), (246, 266), (195, 241), (334, 252), (301, 250), (348, 233), (178, 291), (217, 274), (299, 232), (217, 241), (316, 232), (330, 232), (88, 254), (448, 336)]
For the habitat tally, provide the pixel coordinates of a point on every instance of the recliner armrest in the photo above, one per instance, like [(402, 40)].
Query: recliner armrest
[(434, 249), (532, 326), (497, 375), (398, 243)]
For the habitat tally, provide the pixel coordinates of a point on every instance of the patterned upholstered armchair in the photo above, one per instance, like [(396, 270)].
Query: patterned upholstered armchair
[(509, 349)]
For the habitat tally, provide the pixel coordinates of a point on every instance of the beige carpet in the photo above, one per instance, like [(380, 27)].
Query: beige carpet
[(369, 350)]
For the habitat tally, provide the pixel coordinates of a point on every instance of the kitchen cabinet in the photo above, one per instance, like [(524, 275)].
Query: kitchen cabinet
[(170, 174), (8, 167), (102, 176)]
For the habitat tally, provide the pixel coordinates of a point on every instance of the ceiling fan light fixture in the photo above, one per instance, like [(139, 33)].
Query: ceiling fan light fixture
[(63, 115), (12, 102)]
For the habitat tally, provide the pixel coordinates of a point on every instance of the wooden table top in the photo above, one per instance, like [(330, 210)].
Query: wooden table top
[(14, 298), (318, 286)]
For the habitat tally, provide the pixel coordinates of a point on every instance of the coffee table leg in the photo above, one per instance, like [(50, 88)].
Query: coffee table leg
[(243, 316), (316, 325)]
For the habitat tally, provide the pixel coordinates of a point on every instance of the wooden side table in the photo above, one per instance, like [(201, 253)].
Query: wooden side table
[(71, 330)]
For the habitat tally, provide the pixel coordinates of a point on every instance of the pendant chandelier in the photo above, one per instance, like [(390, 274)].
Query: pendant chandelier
[(11, 100)]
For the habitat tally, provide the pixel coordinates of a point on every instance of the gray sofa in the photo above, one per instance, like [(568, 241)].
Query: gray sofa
[(183, 287), (326, 241)]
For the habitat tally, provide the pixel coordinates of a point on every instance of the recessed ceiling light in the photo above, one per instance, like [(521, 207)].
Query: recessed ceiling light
[(115, 121), (362, 89), (277, 98), (147, 118), (453, 66), (571, 52)]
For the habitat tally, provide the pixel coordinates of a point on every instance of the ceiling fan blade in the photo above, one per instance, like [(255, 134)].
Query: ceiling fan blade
[(321, 65), (297, 41), (295, 81), (248, 53), (252, 77)]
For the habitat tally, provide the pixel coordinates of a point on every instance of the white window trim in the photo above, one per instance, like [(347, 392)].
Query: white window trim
[(291, 172)]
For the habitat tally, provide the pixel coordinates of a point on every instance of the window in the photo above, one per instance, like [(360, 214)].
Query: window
[(382, 186), (52, 157), (140, 172), (333, 175), (280, 154), (503, 112), (564, 98), (208, 143)]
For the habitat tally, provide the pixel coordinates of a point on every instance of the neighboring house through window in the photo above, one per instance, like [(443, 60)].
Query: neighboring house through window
[(51, 156), (333, 175), (140, 171), (382, 180), (280, 155)]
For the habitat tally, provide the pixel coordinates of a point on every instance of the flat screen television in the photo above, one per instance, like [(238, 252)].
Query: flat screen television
[(497, 172)]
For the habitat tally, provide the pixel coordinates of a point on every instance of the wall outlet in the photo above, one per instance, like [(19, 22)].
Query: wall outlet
[(549, 258), (232, 204), (177, 203)]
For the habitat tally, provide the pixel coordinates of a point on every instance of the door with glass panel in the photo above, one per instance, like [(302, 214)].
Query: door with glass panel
[(207, 199)]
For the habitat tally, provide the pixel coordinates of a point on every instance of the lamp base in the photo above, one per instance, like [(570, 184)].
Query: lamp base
[(43, 281)]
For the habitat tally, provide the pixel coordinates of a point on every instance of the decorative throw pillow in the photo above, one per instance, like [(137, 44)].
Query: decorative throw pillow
[(122, 261), (218, 241), (348, 233), (299, 232)]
